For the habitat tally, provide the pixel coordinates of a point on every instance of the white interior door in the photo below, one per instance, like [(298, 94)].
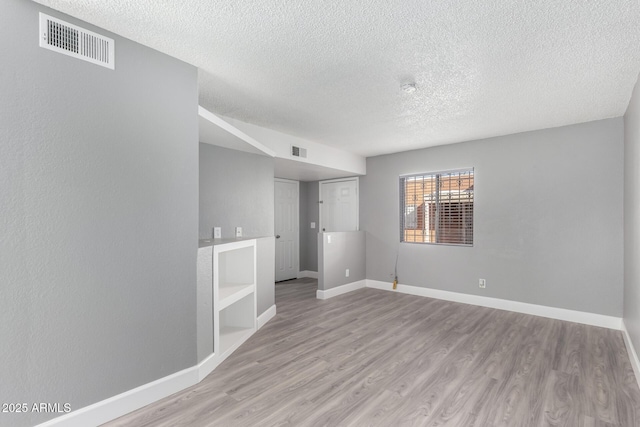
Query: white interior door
[(286, 228), (339, 205)]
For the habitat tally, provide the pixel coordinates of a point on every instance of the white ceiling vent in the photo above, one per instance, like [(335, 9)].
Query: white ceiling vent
[(298, 152), (72, 40)]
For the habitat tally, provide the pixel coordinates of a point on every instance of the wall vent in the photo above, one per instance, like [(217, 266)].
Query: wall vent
[(298, 152), (72, 40)]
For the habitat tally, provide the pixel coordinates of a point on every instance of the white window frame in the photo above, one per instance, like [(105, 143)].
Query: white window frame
[(403, 203)]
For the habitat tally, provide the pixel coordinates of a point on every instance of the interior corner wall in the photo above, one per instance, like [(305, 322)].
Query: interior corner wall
[(266, 274), (632, 218), (98, 218), (236, 190), (309, 212), (341, 251), (548, 218)]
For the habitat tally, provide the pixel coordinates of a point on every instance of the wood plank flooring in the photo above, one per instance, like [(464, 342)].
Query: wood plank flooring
[(379, 358)]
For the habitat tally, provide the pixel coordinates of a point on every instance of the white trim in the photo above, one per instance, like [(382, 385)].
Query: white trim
[(326, 181), (207, 366), (308, 273), (123, 403), (266, 316), (502, 304), (209, 116), (131, 400), (339, 290), (633, 356), (457, 170)]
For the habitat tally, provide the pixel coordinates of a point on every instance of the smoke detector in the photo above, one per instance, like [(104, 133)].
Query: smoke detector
[(408, 87)]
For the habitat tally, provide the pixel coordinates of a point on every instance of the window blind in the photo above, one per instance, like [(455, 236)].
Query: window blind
[(437, 207)]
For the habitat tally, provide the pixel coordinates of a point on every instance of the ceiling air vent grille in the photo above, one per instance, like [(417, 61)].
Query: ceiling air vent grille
[(72, 40), (298, 152)]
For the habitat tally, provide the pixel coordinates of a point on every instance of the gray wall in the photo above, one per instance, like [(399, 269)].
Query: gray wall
[(236, 189), (632, 218), (266, 273), (309, 212), (98, 218), (205, 302), (345, 251), (548, 218)]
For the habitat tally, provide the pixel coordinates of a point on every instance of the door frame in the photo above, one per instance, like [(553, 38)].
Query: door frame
[(328, 181), (297, 233)]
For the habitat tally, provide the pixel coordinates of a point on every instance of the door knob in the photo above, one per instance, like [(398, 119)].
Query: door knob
[(277, 236)]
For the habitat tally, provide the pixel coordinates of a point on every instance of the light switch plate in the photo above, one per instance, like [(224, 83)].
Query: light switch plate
[(238, 231), (313, 225), (217, 232)]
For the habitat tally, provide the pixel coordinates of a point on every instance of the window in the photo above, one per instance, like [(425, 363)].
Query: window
[(437, 207)]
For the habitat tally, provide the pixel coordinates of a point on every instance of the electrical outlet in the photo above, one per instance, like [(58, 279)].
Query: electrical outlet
[(346, 273), (482, 283), (217, 232), (238, 231)]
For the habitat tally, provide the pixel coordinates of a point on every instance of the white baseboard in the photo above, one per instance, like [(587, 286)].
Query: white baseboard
[(633, 356), (501, 304), (121, 404), (266, 316), (308, 273), (339, 290), (207, 366)]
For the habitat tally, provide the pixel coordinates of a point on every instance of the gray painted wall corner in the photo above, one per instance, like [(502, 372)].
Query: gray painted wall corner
[(341, 251), (205, 302), (266, 273), (632, 218)]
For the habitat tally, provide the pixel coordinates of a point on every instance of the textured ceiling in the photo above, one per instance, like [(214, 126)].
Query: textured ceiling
[(331, 71)]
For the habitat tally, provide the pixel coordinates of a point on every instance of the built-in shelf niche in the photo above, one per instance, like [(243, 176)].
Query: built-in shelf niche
[(235, 274), (234, 295), (236, 323)]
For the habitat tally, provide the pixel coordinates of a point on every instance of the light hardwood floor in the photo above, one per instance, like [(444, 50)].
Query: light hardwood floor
[(374, 357)]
